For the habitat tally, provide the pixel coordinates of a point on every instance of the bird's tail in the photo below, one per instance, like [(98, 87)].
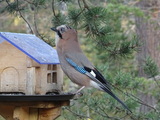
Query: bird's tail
[(115, 97)]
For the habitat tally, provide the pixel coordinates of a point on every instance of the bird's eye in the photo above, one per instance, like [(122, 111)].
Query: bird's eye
[(62, 29)]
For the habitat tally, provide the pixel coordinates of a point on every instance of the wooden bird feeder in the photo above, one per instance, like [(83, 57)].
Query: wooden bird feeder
[(30, 78)]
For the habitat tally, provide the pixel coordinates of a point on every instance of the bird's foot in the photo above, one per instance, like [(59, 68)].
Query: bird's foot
[(79, 90), (78, 93)]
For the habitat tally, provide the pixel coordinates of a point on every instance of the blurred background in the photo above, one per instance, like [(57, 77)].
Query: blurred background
[(120, 37)]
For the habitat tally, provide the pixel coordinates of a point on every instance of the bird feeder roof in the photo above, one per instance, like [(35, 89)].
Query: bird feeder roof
[(32, 46)]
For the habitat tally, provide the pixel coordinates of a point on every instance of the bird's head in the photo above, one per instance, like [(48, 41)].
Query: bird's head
[(60, 30), (63, 32)]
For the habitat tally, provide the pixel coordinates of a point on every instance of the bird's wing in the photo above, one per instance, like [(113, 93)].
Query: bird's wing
[(81, 60), (94, 74), (97, 77)]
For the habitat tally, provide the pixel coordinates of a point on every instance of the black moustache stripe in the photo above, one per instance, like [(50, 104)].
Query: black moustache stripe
[(59, 34)]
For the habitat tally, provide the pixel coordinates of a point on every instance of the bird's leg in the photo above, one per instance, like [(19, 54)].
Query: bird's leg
[(80, 89)]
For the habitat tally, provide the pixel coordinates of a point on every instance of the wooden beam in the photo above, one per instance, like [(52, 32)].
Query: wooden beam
[(33, 114), (21, 113), (49, 114), (36, 104), (7, 112), (31, 110)]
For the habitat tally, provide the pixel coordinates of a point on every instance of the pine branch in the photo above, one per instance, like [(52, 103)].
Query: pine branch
[(53, 10), (81, 116), (85, 4), (156, 82), (54, 13), (98, 112), (28, 1), (34, 20), (134, 98), (80, 13), (79, 4), (23, 17), (155, 79)]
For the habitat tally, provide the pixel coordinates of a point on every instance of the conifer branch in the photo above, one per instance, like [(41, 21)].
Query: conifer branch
[(79, 4), (35, 24), (8, 3), (34, 20), (154, 78), (99, 112), (23, 17), (79, 115), (134, 98), (80, 13), (156, 82), (85, 4), (53, 10), (28, 1)]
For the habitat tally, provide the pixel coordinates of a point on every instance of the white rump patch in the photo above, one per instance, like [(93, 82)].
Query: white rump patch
[(95, 85)]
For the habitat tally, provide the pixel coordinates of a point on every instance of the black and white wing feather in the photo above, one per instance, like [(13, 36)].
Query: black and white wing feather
[(97, 77)]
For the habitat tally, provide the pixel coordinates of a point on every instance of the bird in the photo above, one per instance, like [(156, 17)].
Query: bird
[(76, 65)]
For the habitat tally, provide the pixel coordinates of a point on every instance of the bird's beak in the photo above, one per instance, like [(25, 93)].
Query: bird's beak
[(54, 29)]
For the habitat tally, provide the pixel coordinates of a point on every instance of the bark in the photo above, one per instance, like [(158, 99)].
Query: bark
[(148, 31)]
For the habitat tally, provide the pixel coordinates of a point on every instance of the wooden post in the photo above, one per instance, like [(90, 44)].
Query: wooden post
[(21, 113), (31, 110)]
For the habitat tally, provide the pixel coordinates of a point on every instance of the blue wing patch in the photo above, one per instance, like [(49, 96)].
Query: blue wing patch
[(78, 68)]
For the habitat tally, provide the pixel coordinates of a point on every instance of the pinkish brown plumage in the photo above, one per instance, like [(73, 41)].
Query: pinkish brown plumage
[(76, 65)]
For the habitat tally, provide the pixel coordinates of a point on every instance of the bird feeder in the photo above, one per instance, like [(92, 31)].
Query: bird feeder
[(30, 78)]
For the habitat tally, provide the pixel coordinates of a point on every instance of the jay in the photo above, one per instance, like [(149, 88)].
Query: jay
[(76, 65)]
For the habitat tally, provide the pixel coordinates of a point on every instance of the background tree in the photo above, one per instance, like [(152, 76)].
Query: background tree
[(148, 31), (107, 34)]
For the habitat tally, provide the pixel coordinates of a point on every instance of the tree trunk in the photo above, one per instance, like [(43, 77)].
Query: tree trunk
[(148, 31)]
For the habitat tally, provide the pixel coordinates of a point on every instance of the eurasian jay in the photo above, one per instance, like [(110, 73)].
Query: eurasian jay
[(76, 65)]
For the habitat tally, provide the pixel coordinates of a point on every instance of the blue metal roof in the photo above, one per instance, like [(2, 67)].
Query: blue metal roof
[(32, 46)]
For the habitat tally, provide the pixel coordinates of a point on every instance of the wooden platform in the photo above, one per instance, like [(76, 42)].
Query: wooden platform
[(33, 107)]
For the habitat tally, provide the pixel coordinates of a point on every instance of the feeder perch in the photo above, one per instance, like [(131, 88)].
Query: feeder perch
[(30, 79)]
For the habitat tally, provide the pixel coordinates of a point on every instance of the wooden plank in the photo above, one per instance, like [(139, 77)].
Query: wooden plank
[(31, 63), (59, 78), (49, 114), (33, 114), (36, 104), (11, 57), (21, 113), (30, 82), (39, 82), (7, 112), (31, 110), (9, 80)]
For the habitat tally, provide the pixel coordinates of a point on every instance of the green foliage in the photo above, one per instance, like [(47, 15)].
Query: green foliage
[(106, 107), (150, 67), (100, 106), (104, 29), (152, 115), (59, 19), (72, 15), (11, 8), (123, 79), (39, 2)]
